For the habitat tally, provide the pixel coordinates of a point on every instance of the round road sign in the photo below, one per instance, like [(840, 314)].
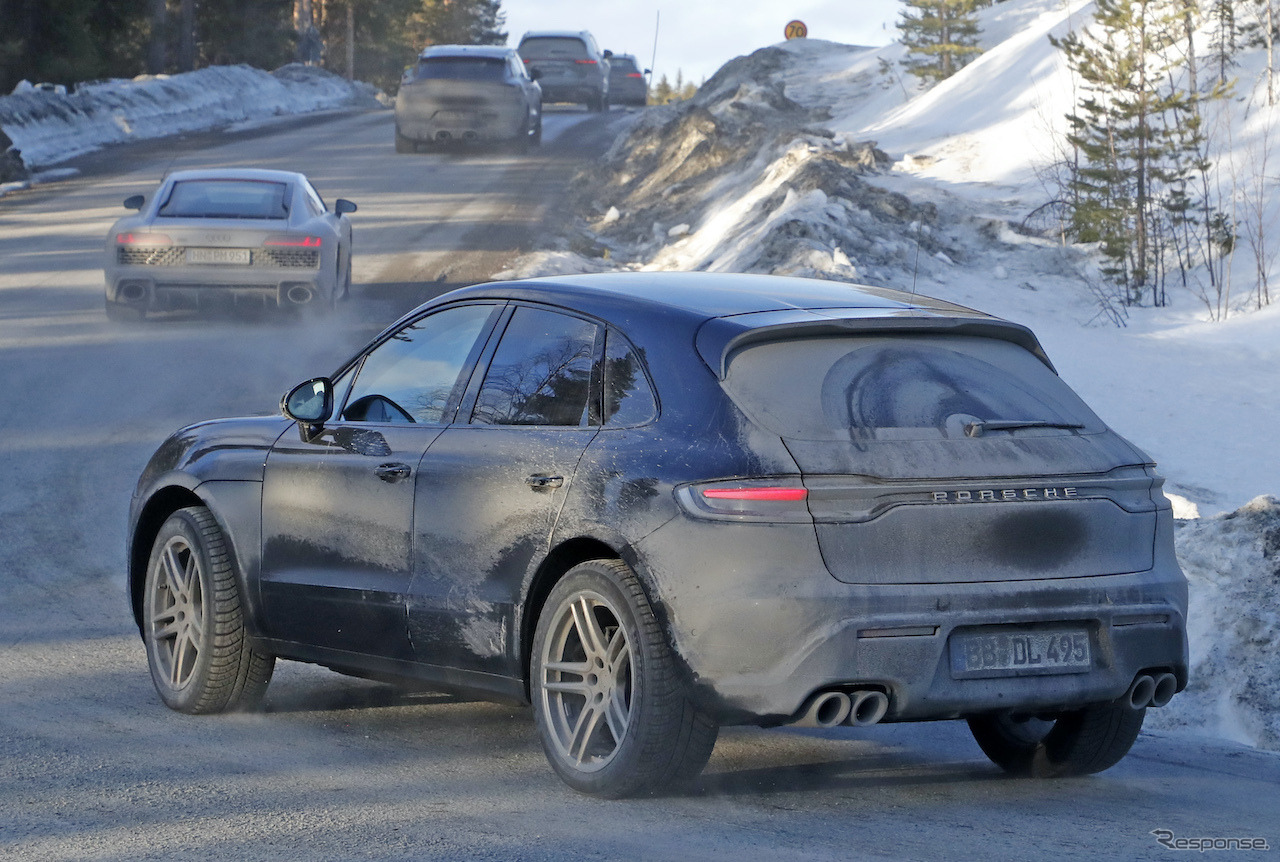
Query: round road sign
[(796, 30)]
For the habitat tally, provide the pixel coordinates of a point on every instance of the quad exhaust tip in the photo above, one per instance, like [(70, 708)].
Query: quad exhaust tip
[(133, 291), (833, 708), (1147, 690)]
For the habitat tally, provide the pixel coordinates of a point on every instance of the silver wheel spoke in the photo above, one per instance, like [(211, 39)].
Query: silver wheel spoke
[(593, 640), (579, 667), (583, 731), (581, 689), (168, 630), (617, 714)]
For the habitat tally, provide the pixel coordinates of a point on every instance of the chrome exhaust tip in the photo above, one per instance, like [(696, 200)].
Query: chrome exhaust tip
[(826, 709), (1140, 692), (1166, 686), (868, 707), (299, 294), (132, 291)]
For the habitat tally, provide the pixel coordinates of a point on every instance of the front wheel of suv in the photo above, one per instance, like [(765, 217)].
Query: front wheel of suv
[(613, 714), (1081, 742), (198, 651)]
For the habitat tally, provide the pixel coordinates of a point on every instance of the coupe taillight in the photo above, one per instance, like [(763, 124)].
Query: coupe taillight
[(152, 239), (634, 75), (585, 62), (294, 241)]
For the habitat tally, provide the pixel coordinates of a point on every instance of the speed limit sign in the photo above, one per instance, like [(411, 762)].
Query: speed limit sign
[(796, 30)]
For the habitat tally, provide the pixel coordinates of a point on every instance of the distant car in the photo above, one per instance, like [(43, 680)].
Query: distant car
[(468, 94), (570, 67), (651, 504), (627, 84), (222, 237)]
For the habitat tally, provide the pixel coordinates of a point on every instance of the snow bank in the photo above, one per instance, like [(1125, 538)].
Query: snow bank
[(1232, 563), (49, 128)]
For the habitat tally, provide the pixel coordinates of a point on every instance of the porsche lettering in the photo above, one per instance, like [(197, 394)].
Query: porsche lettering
[(1004, 495)]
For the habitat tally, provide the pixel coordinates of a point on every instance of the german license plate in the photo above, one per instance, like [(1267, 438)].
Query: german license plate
[(218, 255), (1020, 653)]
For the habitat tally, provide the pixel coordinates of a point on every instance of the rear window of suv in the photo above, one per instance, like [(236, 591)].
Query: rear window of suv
[(552, 48), (869, 388), (461, 69)]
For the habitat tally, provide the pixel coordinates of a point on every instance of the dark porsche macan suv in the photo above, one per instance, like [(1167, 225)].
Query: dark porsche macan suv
[(655, 504)]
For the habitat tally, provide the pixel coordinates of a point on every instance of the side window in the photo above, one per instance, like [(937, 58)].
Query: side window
[(628, 398), (541, 372), (411, 376)]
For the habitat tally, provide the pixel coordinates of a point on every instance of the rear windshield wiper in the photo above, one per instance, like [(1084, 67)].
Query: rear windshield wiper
[(977, 429)]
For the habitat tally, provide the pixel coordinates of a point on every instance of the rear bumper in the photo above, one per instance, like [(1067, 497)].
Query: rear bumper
[(770, 628), (488, 125), (148, 290), (583, 93)]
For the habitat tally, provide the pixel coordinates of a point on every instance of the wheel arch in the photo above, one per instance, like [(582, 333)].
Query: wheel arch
[(154, 513), (159, 506), (559, 561)]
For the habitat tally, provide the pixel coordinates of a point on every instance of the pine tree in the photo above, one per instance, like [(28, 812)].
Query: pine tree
[(1128, 156), (940, 36)]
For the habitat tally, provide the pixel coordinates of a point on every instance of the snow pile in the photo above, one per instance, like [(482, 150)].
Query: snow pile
[(49, 128), (1232, 563)]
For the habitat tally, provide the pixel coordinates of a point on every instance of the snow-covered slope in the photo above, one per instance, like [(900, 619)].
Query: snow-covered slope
[(50, 128)]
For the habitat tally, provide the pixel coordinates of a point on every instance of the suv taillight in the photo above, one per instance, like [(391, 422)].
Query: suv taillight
[(780, 499)]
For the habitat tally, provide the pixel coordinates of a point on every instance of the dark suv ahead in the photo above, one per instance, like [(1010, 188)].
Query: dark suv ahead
[(651, 504), (570, 67)]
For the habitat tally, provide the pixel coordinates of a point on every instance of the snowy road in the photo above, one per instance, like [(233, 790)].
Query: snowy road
[(93, 767)]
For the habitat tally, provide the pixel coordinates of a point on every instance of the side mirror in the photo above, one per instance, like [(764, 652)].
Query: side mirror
[(134, 202), (342, 206), (309, 404), (607, 53)]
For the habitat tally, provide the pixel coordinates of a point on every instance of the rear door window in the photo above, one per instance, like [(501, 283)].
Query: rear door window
[(541, 372), (900, 388)]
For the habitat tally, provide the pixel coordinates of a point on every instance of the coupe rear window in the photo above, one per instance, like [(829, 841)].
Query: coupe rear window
[(461, 69), (226, 199), (896, 388), (552, 48)]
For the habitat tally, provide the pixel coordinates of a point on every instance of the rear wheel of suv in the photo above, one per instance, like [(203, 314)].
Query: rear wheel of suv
[(1082, 742), (613, 714)]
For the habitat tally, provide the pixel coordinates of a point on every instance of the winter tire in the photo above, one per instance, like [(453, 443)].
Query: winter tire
[(614, 716), (1082, 742), (200, 657)]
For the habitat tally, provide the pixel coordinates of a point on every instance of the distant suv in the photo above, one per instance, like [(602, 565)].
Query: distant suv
[(627, 84), (569, 65)]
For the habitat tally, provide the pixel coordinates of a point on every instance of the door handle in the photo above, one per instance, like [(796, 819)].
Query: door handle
[(392, 472), (544, 483)]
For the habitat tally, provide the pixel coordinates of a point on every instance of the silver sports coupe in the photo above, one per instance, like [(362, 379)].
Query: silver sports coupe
[(226, 237)]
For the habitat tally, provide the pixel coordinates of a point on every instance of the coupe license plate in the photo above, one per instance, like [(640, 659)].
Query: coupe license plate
[(1025, 653), (218, 255)]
